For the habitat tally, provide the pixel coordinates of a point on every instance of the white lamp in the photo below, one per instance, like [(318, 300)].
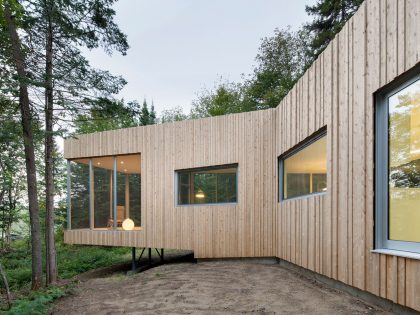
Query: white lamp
[(128, 224)]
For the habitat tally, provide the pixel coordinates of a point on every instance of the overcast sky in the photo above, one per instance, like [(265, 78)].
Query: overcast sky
[(179, 47)]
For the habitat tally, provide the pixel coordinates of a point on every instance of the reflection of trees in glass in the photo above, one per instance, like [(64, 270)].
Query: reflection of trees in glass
[(205, 183), (79, 177), (319, 182), (102, 197), (121, 189), (404, 168), (183, 188), (207, 186), (217, 187), (298, 184), (406, 176), (399, 137), (135, 198)]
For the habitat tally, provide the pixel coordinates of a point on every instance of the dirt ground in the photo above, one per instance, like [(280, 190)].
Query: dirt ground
[(211, 287)]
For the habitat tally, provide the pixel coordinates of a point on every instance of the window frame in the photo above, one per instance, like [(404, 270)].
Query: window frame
[(91, 208), (215, 167), (297, 148), (381, 186)]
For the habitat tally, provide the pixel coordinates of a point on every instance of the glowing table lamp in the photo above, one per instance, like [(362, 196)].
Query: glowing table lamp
[(128, 224)]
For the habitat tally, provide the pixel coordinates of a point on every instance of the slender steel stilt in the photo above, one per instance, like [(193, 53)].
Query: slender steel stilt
[(133, 260), (150, 256)]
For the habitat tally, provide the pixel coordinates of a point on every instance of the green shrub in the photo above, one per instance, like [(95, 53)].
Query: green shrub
[(36, 303)]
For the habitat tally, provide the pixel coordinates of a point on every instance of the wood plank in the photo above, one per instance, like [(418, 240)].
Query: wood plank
[(343, 134), (358, 167)]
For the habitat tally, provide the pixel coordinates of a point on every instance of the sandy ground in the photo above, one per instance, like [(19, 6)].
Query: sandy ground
[(213, 287)]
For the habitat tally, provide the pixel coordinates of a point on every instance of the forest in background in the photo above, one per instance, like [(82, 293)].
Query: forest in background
[(48, 90)]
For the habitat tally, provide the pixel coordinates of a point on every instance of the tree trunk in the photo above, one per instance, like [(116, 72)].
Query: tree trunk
[(6, 285), (28, 142), (51, 261)]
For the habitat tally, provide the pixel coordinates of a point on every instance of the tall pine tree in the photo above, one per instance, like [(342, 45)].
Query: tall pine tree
[(329, 17)]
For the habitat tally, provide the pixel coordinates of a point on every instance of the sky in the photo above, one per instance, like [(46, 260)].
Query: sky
[(180, 47)]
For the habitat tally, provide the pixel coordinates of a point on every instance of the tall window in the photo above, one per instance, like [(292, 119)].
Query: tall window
[(104, 192), (207, 185), (304, 169), (398, 167)]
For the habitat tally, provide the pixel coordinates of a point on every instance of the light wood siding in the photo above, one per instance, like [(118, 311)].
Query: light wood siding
[(244, 229), (332, 234)]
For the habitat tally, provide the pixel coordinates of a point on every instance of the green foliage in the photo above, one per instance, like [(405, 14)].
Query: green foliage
[(281, 61), (12, 162), (147, 117), (88, 258), (71, 260), (330, 17), (172, 115), (35, 303), (107, 114), (225, 98)]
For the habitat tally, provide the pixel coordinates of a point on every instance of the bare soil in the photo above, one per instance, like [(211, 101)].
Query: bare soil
[(211, 287)]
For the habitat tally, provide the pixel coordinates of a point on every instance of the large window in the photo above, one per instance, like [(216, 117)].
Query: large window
[(104, 192), (207, 185), (304, 169), (398, 167), (78, 197)]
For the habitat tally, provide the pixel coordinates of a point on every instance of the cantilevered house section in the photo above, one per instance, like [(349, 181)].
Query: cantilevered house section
[(329, 180)]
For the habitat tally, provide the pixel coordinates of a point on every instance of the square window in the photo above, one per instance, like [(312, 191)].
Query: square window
[(208, 185)]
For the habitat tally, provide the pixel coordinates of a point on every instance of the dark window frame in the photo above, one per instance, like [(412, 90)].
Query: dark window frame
[(205, 168), (295, 149), (381, 186)]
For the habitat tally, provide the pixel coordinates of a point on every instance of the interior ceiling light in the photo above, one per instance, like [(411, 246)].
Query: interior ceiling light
[(200, 194), (122, 162)]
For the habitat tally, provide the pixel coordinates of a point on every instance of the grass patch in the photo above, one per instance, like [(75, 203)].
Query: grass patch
[(36, 303), (71, 261)]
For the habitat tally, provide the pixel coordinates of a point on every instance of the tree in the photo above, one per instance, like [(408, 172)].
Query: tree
[(225, 98), (147, 117), (107, 114), (12, 162), (152, 116), (51, 34), (172, 115), (330, 17), (17, 56), (6, 285), (281, 61), (60, 27)]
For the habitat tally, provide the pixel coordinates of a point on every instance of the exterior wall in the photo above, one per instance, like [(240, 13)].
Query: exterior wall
[(332, 234), (244, 229)]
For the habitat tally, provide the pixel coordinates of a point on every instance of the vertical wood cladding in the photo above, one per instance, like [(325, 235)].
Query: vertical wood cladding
[(331, 234)]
